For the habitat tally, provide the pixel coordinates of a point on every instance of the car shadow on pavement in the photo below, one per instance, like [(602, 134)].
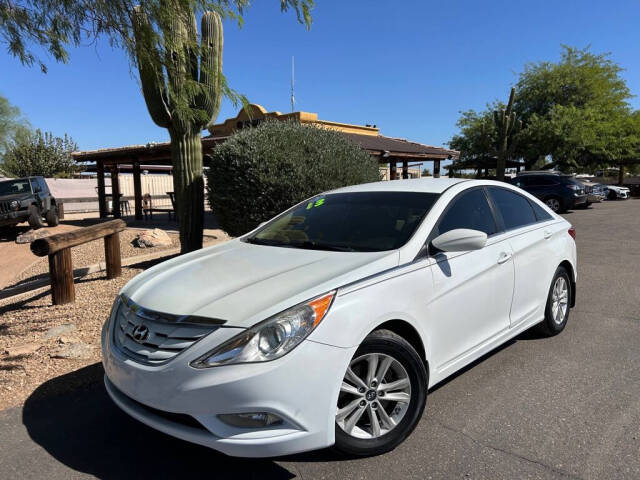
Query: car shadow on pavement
[(9, 234), (85, 431)]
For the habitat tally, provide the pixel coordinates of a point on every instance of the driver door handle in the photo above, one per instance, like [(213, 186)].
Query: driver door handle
[(504, 257), (547, 234)]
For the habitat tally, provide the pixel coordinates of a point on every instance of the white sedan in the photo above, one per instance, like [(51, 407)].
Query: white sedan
[(328, 324)]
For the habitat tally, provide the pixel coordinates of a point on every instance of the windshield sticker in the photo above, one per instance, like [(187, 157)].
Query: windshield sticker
[(317, 203)]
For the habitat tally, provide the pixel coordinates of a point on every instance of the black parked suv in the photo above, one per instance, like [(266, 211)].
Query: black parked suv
[(27, 200), (559, 191)]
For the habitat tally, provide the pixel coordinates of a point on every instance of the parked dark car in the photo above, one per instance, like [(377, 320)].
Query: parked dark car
[(27, 200), (559, 191)]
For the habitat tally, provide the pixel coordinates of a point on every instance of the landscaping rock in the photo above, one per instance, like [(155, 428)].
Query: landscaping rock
[(24, 349), (79, 351), (152, 238), (55, 332), (30, 236)]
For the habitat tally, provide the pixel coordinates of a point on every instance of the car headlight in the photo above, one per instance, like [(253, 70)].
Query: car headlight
[(272, 338), (14, 205)]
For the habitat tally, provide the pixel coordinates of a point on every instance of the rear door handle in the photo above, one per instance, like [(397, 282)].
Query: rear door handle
[(547, 234), (504, 257)]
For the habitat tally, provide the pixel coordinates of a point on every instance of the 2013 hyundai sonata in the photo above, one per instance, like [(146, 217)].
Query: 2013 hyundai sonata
[(328, 324)]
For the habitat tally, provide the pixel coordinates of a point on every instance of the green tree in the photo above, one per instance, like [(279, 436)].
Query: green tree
[(566, 107), (477, 138), (40, 154), (260, 172), (425, 172), (49, 24), (12, 125)]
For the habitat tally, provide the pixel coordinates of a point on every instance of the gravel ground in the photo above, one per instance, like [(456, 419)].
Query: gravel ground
[(24, 321), (93, 252)]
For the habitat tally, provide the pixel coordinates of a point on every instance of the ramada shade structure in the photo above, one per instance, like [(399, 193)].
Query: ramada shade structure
[(387, 150)]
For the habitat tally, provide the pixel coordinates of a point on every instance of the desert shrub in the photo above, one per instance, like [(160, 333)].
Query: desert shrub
[(259, 172)]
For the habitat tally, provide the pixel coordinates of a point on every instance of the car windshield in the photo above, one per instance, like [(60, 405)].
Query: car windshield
[(13, 187), (351, 222)]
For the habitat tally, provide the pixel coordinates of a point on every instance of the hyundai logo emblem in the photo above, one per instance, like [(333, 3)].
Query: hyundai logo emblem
[(140, 333)]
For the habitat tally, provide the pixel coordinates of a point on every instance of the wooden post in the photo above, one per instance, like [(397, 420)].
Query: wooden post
[(393, 173), (61, 273), (115, 191), (137, 190), (102, 198), (405, 169), (112, 255), (436, 169)]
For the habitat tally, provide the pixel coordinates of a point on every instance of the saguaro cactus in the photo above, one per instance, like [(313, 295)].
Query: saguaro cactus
[(506, 126), (182, 87)]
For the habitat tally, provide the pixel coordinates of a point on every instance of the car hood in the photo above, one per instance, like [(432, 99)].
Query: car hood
[(243, 283)]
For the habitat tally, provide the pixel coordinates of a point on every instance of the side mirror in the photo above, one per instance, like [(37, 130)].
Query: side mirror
[(460, 240)]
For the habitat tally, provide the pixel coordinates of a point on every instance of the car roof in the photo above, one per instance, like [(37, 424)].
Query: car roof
[(426, 185)]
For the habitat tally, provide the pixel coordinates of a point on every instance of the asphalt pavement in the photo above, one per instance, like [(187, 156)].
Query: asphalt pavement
[(564, 407)]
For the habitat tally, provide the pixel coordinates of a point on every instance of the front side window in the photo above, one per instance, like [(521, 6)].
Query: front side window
[(358, 221), (515, 209), (469, 210)]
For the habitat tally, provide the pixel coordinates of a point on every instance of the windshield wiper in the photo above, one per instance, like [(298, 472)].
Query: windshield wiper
[(309, 245), (262, 241)]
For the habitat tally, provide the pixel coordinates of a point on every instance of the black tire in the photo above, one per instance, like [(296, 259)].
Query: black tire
[(556, 204), (392, 345), (52, 216), (550, 326), (35, 218), (612, 195)]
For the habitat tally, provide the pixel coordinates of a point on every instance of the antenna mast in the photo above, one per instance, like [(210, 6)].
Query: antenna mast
[(293, 98)]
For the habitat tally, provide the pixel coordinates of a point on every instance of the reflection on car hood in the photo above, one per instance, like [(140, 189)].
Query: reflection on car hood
[(243, 283)]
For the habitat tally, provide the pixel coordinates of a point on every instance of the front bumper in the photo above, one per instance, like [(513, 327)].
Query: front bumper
[(301, 388), (11, 218)]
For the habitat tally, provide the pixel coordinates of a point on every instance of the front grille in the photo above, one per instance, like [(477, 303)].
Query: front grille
[(4, 207), (154, 338)]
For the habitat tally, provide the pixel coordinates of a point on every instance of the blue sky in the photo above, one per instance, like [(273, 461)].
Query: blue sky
[(408, 67)]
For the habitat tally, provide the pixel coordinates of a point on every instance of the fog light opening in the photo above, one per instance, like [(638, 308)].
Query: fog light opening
[(251, 420)]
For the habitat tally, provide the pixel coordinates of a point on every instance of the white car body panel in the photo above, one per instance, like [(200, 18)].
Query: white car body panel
[(460, 304)]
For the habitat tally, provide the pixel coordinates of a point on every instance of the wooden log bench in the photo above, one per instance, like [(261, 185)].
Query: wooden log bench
[(58, 249)]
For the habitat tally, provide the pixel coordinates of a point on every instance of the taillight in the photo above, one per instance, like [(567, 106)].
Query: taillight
[(572, 232)]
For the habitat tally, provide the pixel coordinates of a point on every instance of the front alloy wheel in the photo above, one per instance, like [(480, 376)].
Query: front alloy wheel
[(376, 394), (382, 395)]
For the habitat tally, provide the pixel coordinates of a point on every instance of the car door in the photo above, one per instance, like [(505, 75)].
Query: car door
[(529, 230), (472, 290)]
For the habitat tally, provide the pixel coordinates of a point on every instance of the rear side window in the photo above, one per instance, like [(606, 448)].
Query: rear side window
[(469, 210), (541, 214), (515, 209)]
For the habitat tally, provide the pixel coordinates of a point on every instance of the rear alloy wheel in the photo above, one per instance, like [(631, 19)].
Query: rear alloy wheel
[(382, 396), (52, 216), (554, 204), (558, 303)]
